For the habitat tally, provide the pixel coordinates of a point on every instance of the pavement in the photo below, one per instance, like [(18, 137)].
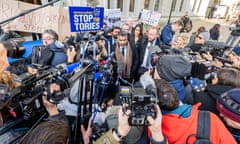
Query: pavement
[(208, 24)]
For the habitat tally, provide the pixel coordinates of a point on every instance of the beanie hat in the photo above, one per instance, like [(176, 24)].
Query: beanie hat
[(228, 104), (173, 67), (206, 35)]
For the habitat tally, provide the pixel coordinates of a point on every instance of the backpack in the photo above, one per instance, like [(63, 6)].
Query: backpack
[(203, 129)]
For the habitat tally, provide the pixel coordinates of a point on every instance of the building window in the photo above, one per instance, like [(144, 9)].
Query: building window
[(146, 4), (174, 2), (120, 4), (131, 6), (156, 6), (194, 5), (181, 5), (199, 6)]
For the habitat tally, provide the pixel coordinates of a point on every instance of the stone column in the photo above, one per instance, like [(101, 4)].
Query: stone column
[(151, 4), (138, 6), (113, 4), (104, 3), (125, 10), (83, 2)]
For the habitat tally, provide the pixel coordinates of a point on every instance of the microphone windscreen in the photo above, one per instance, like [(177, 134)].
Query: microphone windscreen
[(70, 68), (147, 80)]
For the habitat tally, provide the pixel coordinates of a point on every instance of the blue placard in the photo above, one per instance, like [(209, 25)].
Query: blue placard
[(83, 19)]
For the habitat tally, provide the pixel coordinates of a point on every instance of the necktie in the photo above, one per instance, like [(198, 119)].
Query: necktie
[(122, 50)]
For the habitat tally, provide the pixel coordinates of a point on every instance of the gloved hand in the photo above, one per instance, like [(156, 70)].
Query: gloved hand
[(197, 84)]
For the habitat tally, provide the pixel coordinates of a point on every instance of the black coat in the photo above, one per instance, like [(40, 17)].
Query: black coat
[(214, 33), (209, 96), (141, 48)]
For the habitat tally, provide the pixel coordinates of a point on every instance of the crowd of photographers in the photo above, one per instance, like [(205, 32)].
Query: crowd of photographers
[(155, 87)]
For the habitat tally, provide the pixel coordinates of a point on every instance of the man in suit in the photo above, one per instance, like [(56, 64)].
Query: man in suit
[(126, 55), (113, 38), (152, 39)]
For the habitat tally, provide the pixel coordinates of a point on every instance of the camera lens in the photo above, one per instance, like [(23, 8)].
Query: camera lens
[(14, 49)]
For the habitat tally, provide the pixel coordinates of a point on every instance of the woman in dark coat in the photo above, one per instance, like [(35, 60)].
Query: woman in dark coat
[(214, 32)]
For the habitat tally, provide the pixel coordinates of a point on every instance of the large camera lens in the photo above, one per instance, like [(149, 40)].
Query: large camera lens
[(14, 49)]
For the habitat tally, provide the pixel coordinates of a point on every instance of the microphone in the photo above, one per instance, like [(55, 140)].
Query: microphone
[(216, 44), (148, 84), (70, 68)]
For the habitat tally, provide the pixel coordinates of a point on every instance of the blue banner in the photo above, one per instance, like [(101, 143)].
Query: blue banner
[(83, 19)]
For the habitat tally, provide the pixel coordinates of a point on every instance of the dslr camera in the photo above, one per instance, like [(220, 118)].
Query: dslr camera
[(140, 104)]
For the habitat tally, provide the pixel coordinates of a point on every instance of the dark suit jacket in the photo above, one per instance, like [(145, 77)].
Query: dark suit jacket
[(141, 48)]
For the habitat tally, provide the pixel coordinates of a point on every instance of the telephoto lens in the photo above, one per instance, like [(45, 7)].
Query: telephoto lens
[(14, 48)]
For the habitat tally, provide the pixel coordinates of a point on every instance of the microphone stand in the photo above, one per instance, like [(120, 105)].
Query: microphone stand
[(28, 11)]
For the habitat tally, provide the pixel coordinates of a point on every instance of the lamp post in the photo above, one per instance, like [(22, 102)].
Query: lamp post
[(170, 14)]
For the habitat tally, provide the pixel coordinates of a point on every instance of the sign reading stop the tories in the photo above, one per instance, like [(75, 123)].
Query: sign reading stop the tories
[(84, 19)]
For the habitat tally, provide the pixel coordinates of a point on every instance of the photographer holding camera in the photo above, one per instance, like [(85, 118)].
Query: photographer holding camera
[(117, 135), (185, 118)]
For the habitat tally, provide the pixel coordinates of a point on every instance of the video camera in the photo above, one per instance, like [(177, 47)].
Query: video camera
[(26, 100), (140, 104), (14, 48), (156, 52)]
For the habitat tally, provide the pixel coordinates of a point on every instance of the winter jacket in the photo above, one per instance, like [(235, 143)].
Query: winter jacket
[(179, 87), (214, 33), (209, 96), (178, 124), (167, 34), (236, 134)]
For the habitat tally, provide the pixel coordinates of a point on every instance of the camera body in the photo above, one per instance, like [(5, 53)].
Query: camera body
[(141, 105), (14, 49)]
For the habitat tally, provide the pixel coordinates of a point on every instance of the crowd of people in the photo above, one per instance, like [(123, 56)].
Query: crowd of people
[(191, 74)]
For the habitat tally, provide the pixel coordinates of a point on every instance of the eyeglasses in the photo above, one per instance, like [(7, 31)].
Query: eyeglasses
[(47, 39)]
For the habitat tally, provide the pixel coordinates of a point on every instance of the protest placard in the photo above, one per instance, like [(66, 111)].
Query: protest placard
[(84, 19), (112, 17), (50, 17), (150, 17)]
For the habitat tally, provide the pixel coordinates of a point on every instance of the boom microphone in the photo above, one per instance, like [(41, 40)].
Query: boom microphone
[(72, 67), (216, 44)]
